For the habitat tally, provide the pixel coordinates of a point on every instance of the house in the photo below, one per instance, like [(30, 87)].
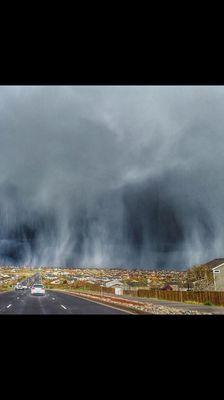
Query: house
[(170, 286), (114, 283), (218, 276), (167, 287)]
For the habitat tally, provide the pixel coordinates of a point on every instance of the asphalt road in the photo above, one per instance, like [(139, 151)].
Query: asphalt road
[(22, 302)]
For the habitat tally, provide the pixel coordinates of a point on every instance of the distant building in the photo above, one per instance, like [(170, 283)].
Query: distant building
[(167, 287), (114, 283), (170, 286), (218, 275)]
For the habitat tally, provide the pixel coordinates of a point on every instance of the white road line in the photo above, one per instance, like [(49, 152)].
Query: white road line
[(53, 298), (63, 307), (9, 306)]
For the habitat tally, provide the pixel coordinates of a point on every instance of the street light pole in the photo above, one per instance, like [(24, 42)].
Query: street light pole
[(101, 288)]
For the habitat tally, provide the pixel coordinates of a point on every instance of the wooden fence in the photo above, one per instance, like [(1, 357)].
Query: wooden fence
[(95, 288), (216, 298)]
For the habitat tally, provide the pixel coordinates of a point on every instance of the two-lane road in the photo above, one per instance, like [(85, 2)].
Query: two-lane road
[(22, 302)]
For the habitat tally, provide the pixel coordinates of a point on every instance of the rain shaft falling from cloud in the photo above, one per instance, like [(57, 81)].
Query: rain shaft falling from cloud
[(111, 176)]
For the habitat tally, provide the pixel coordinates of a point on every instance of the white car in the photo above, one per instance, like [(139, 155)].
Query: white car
[(38, 289), (18, 287)]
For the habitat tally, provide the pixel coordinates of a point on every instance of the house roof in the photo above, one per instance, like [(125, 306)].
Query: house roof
[(167, 286), (218, 266)]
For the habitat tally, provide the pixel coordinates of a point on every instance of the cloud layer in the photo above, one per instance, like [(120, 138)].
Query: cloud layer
[(111, 176)]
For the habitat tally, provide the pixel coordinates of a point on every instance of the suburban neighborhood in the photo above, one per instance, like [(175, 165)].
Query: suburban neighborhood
[(208, 276)]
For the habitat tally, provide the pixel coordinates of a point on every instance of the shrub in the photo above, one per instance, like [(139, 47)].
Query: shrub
[(207, 303)]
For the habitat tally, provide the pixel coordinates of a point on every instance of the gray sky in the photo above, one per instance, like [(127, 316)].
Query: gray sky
[(111, 175)]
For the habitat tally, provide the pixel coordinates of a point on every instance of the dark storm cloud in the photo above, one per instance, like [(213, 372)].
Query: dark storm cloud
[(111, 176)]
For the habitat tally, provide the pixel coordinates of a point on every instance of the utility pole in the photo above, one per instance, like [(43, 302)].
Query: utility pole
[(101, 287)]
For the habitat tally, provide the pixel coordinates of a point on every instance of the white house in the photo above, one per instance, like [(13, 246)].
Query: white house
[(218, 275), (114, 283)]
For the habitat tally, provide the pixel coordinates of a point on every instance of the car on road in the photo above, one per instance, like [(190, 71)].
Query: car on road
[(18, 287), (38, 289)]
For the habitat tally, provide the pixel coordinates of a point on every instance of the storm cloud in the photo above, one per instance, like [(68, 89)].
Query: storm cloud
[(125, 176)]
